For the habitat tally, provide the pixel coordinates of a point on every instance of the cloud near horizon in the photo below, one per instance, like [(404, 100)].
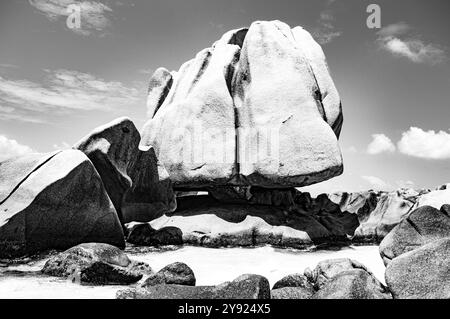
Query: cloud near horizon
[(11, 148), (394, 39), (377, 183), (380, 144), (425, 144), (61, 92)]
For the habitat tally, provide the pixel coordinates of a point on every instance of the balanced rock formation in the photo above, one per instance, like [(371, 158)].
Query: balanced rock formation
[(246, 286), (424, 225), (54, 201), (136, 183), (423, 273), (259, 108), (96, 263)]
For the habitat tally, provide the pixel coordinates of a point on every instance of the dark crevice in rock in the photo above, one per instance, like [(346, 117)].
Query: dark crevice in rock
[(239, 37), (417, 229), (203, 67), (26, 177), (164, 95)]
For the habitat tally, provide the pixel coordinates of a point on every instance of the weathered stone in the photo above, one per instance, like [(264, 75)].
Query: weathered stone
[(96, 263), (293, 280), (329, 268), (291, 293), (158, 88), (137, 184), (423, 273), (422, 226), (353, 284), (176, 273), (111, 148), (378, 212), (54, 201)]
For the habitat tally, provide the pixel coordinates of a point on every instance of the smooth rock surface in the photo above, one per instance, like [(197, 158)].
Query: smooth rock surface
[(177, 273), (422, 226), (353, 284), (259, 107), (423, 273), (54, 201), (96, 263)]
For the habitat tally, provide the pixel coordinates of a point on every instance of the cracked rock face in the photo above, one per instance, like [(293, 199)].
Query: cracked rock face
[(259, 107), (424, 225), (53, 201)]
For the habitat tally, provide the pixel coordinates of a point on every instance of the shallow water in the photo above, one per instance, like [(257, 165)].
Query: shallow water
[(210, 265)]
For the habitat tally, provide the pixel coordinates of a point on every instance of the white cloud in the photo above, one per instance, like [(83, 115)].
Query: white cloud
[(391, 38), (62, 146), (62, 91), (425, 144), (380, 144), (95, 16), (10, 148), (377, 183), (405, 184)]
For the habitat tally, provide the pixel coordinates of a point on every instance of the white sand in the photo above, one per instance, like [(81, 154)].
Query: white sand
[(211, 266)]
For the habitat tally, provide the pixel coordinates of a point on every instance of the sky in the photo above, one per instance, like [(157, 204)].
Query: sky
[(57, 82)]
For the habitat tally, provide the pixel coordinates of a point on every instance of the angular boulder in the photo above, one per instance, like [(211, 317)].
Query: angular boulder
[(137, 185), (422, 226), (244, 287), (423, 273), (353, 284), (54, 201), (245, 112), (96, 263), (177, 273)]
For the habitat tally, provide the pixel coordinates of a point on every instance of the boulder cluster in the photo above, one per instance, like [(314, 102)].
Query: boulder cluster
[(228, 139)]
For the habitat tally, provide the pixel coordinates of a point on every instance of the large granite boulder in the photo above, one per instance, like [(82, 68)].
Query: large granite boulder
[(259, 107), (177, 273), (244, 287), (204, 221), (423, 273), (54, 201), (353, 284), (422, 226), (96, 263), (137, 184)]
